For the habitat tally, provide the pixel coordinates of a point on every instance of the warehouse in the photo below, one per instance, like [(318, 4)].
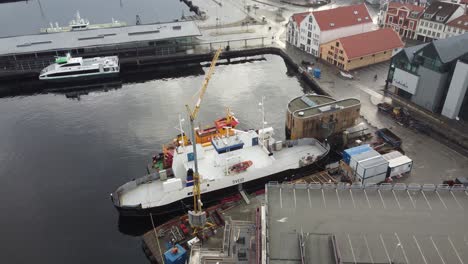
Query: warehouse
[(319, 117), (362, 50)]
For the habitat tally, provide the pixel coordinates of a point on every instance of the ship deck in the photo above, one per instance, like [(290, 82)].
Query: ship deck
[(285, 158)]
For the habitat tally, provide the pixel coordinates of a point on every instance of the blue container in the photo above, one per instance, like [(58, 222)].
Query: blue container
[(317, 73), (348, 153), (178, 258)]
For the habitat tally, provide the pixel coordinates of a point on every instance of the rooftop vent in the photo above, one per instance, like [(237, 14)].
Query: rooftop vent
[(440, 7), (355, 12), (27, 44), (143, 32), (465, 24), (367, 18), (459, 22), (177, 27), (300, 113), (359, 19), (332, 24)]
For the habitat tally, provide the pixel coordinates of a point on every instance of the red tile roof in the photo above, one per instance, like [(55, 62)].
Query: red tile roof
[(409, 6), (370, 42), (460, 22), (298, 17), (342, 17)]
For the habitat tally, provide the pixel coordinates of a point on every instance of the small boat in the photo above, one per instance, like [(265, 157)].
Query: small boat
[(240, 167), (70, 69), (80, 23)]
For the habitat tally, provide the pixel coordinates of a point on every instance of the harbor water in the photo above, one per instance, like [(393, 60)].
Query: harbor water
[(62, 155), (27, 17)]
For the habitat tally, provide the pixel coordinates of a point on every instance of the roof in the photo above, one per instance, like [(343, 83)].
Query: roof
[(377, 224), (298, 17), (410, 51), (459, 22), (408, 6), (451, 48), (310, 104), (343, 16), (440, 9), (97, 37), (371, 42)]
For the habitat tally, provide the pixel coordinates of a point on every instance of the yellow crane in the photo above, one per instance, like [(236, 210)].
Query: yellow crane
[(197, 217)]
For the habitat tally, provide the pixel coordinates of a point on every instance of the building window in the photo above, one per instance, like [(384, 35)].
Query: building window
[(337, 44), (430, 25), (411, 24), (361, 58), (332, 47), (390, 19), (310, 19), (440, 27), (438, 35), (384, 52), (424, 32), (459, 31), (309, 34), (341, 51), (349, 61), (433, 33)]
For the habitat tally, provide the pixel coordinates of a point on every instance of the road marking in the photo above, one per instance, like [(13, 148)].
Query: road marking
[(455, 249), (294, 194), (310, 201), (411, 198), (385, 248), (456, 200), (438, 252), (367, 198), (394, 194), (352, 250), (338, 196), (381, 198), (281, 199), (402, 248), (430, 207), (368, 249), (441, 200), (323, 197), (419, 248), (352, 198)]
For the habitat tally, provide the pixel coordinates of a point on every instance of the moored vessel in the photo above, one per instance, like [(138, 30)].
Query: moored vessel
[(79, 23), (68, 68), (248, 158)]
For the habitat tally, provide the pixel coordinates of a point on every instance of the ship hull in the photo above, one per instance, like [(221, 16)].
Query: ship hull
[(81, 78), (213, 197)]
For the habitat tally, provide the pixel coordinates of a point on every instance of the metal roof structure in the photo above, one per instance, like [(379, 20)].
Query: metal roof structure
[(451, 48), (97, 37), (312, 104), (313, 223)]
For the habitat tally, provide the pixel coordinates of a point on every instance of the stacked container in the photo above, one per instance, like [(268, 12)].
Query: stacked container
[(348, 153), (369, 167), (398, 164)]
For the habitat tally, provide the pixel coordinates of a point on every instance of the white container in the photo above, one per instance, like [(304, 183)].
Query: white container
[(373, 170), (361, 157), (172, 185), (399, 166), (391, 155)]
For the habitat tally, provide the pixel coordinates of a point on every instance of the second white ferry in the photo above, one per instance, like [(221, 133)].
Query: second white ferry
[(71, 69)]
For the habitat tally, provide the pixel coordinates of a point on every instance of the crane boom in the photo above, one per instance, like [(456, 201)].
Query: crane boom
[(197, 217), (193, 114)]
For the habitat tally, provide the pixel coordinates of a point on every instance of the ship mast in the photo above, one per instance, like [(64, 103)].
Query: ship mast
[(197, 217)]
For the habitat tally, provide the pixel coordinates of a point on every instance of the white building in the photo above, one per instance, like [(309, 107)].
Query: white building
[(457, 26), (434, 19), (309, 30)]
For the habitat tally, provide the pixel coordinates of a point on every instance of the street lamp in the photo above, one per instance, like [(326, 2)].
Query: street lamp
[(394, 251)]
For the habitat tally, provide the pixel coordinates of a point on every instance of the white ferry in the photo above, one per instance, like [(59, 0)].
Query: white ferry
[(80, 23), (248, 158), (70, 69)]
